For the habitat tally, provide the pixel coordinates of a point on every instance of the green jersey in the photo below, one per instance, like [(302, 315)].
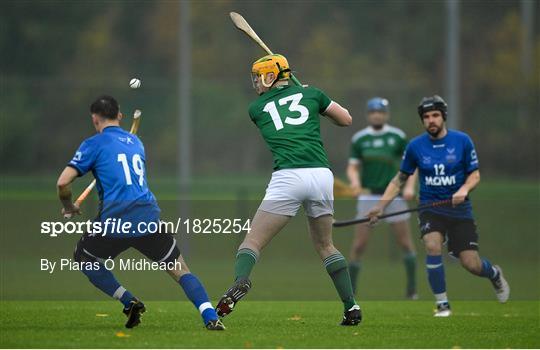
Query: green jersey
[(288, 119), (380, 153)]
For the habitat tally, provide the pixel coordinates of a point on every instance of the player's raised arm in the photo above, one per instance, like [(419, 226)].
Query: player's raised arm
[(337, 114), (63, 186)]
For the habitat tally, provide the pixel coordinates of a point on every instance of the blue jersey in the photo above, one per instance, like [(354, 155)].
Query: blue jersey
[(443, 166), (116, 159)]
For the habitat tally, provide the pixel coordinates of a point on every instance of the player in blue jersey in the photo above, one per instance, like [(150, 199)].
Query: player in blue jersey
[(116, 158), (448, 169)]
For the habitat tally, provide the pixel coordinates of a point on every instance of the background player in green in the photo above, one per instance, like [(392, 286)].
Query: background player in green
[(288, 119), (376, 152)]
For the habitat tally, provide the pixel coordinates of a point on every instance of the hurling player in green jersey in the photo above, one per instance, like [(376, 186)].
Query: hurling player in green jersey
[(288, 119), (376, 153)]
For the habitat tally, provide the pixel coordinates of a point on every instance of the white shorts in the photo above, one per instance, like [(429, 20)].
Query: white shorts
[(368, 201), (289, 188)]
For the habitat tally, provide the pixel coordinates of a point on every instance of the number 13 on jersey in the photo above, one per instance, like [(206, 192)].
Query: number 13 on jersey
[(295, 106)]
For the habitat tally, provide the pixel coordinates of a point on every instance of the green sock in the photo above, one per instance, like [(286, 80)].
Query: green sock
[(336, 265), (245, 260), (354, 270), (409, 260)]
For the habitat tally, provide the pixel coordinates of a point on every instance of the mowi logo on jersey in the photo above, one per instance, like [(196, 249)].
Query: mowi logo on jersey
[(440, 180)]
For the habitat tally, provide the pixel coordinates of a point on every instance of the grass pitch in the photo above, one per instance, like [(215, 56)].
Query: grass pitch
[(169, 324)]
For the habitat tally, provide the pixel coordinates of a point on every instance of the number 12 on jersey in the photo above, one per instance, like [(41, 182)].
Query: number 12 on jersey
[(439, 169), (295, 106)]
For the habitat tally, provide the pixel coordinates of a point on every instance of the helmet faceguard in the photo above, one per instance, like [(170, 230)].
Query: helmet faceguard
[(433, 103)]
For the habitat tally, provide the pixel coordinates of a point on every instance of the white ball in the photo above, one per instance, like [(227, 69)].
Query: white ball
[(134, 83)]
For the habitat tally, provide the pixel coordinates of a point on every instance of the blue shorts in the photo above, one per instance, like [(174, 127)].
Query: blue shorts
[(460, 234), (158, 247)]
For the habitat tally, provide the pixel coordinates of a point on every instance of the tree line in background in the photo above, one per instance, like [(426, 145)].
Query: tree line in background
[(59, 55)]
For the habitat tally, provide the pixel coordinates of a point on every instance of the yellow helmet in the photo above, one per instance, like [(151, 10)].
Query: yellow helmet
[(275, 63)]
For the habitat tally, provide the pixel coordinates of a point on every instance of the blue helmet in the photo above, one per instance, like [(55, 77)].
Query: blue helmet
[(378, 104)]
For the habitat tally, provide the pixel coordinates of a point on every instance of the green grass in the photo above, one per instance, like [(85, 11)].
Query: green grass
[(271, 324)]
